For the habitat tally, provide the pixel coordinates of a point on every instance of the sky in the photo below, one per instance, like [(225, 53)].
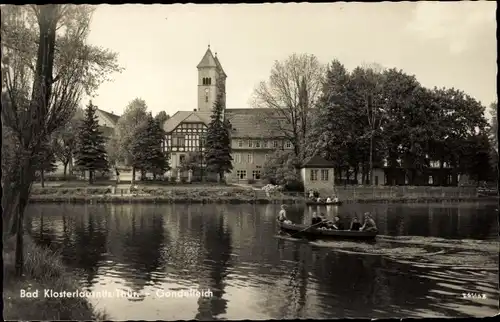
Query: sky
[(445, 44)]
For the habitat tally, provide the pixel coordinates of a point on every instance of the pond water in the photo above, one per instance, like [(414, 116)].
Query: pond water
[(426, 258)]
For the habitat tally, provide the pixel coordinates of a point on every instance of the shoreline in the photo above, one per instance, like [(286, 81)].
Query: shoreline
[(151, 199), (43, 270)]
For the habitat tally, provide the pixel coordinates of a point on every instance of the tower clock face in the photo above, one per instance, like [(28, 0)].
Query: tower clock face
[(206, 90)]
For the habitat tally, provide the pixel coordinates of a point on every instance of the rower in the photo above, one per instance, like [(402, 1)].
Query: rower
[(328, 200), (315, 220)]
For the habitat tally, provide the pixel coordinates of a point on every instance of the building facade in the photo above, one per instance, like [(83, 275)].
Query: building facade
[(318, 175), (252, 141)]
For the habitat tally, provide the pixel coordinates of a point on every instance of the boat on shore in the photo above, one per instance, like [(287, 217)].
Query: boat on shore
[(323, 203), (318, 233)]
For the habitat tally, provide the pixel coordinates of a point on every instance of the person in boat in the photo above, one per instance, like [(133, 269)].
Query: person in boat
[(315, 220), (282, 215), (328, 200), (335, 199), (323, 222), (355, 224), (311, 194), (369, 223), (337, 224)]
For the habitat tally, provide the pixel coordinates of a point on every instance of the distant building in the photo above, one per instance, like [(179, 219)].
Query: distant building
[(318, 175), (107, 122), (251, 140)]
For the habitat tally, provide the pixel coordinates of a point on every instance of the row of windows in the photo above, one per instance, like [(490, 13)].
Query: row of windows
[(264, 144), (206, 81), (191, 126), (242, 174), (314, 175), (248, 158)]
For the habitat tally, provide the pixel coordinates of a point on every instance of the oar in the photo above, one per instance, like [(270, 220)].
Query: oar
[(305, 228)]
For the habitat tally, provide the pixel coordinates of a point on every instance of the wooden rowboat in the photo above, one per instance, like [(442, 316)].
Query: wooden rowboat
[(323, 203), (316, 233)]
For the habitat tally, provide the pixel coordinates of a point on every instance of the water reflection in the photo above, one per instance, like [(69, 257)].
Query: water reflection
[(232, 251)]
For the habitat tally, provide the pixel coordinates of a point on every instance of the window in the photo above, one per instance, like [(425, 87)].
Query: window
[(250, 144), (314, 175), (237, 158), (288, 144), (178, 141), (264, 144), (206, 98), (450, 179), (257, 144), (241, 174), (209, 81), (240, 144), (182, 158), (324, 175), (376, 180), (206, 81), (430, 180), (256, 174), (250, 158), (258, 167), (275, 144)]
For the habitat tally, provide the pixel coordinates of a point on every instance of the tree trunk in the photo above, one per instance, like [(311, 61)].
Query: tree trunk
[(70, 170), (65, 169), (133, 175), (42, 178), (371, 160), (91, 173), (356, 173)]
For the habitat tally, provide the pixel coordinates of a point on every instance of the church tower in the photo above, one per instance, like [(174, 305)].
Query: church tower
[(211, 81)]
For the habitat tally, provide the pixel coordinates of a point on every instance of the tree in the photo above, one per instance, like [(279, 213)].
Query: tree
[(64, 142), (333, 124), (368, 84), (218, 142), (147, 150), (280, 169), (91, 152), (45, 161), (288, 97), (34, 102), (123, 138), (493, 135), (162, 117)]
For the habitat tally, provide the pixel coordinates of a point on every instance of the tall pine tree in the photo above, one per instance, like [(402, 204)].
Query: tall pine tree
[(147, 151), (91, 153), (218, 141)]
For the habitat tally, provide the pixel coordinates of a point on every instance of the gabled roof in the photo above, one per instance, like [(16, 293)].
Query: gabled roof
[(186, 117), (208, 60), (113, 119), (219, 66), (317, 161), (250, 123)]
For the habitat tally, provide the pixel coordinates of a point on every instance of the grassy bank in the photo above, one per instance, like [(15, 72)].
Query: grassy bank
[(160, 199), (195, 193), (43, 270)]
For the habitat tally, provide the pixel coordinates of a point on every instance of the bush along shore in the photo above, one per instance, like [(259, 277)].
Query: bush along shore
[(43, 270), (230, 195), (213, 194)]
